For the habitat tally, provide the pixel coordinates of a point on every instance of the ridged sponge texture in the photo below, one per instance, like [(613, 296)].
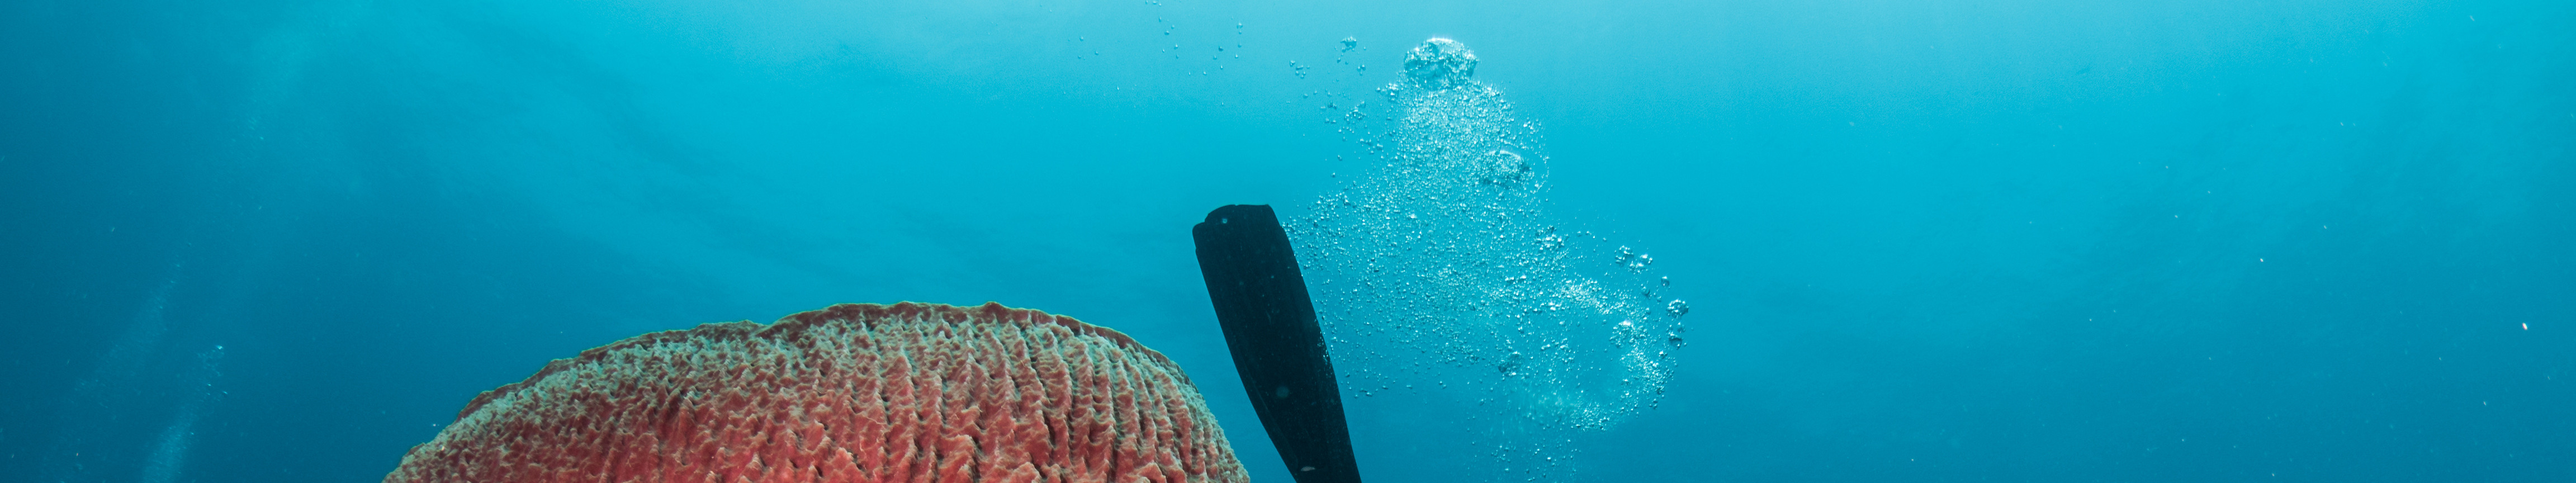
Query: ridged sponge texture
[(911, 393)]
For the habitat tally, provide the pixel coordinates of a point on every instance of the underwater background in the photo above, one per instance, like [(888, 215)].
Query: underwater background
[(2008, 240)]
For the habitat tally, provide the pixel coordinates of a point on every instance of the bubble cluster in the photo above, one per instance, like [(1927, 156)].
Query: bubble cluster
[(1440, 64), (1443, 268)]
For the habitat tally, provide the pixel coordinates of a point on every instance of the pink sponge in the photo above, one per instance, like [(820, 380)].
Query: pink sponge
[(915, 393)]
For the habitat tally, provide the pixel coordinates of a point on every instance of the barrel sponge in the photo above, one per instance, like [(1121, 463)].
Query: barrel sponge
[(915, 393)]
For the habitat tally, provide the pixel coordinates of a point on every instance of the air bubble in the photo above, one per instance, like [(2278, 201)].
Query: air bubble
[(1445, 262)]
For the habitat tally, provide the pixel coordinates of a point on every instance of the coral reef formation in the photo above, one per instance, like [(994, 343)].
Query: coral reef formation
[(852, 393)]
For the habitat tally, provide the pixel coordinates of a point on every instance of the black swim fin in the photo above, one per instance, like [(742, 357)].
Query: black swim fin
[(1269, 322)]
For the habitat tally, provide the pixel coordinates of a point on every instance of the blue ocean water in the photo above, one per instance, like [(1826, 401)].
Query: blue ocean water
[(1920, 241)]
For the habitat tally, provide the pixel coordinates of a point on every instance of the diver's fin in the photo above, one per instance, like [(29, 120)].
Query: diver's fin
[(1270, 325)]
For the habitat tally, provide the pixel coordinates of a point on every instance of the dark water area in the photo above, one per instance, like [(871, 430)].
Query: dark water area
[(1921, 241)]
